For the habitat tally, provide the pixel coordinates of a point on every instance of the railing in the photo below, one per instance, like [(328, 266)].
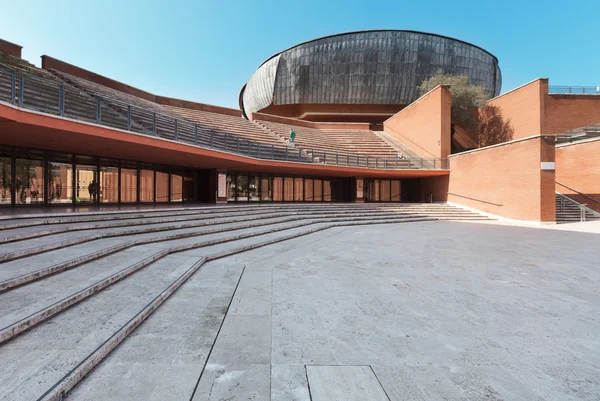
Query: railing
[(584, 209), (475, 199), (574, 90), (32, 92), (578, 193)]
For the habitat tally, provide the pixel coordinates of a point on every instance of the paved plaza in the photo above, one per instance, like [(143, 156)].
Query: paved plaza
[(437, 311), (323, 303)]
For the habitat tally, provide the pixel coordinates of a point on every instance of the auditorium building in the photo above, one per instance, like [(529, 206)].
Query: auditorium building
[(71, 137)]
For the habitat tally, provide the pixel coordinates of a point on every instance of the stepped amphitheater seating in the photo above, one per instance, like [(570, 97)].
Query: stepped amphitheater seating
[(41, 92), (80, 284), (236, 126), (354, 142)]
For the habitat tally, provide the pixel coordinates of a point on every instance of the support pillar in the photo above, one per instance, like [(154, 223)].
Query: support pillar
[(221, 186), (359, 190)]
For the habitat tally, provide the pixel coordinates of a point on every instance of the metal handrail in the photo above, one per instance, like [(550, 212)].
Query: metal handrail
[(416, 144), (475, 199), (577, 192), (49, 96), (583, 207), (573, 90)]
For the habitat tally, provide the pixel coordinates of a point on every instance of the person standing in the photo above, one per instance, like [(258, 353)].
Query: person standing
[(292, 138)]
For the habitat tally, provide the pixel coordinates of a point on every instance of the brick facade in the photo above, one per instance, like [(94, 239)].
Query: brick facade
[(506, 180), (424, 126), (578, 167)]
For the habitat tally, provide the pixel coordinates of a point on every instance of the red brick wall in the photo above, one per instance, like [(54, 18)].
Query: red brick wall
[(436, 186), (566, 112), (424, 125), (578, 167), (10, 48), (524, 107), (506, 180)]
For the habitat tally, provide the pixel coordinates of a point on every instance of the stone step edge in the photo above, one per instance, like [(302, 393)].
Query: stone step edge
[(70, 380), (6, 257), (207, 216), (57, 392), (107, 216), (16, 328), (57, 268), (206, 209), (43, 233)]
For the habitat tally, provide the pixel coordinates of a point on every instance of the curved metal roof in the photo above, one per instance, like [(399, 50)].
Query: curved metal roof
[(365, 67)]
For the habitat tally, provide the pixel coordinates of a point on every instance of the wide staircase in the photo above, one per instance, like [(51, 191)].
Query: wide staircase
[(341, 146), (73, 287), (571, 211)]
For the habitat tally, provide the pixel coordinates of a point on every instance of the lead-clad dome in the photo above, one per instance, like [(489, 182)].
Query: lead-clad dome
[(365, 68)]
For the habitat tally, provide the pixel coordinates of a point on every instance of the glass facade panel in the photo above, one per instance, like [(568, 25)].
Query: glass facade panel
[(308, 190), (288, 189), (373, 191), (396, 191), (253, 184), (265, 189), (60, 183), (5, 180), (230, 187), (86, 182), (146, 185), (298, 189), (176, 187), (109, 184), (242, 188), (318, 191), (29, 181), (385, 191), (277, 189), (326, 190), (128, 185), (162, 186)]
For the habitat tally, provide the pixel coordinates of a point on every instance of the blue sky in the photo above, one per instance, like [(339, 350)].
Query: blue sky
[(206, 50)]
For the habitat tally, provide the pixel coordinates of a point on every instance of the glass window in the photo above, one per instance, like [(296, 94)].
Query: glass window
[(318, 191), (242, 188), (230, 187), (385, 192), (60, 182), (288, 189), (187, 189), (374, 191), (86, 182), (265, 189), (176, 187), (326, 191), (128, 185), (162, 186), (29, 181), (253, 183), (5, 180), (146, 185), (395, 190), (109, 181), (308, 189), (277, 189), (298, 189)]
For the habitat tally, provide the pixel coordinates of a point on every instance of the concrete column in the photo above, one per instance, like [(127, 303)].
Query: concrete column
[(221, 186), (359, 190)]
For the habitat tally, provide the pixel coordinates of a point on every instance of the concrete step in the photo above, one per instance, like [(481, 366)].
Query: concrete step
[(59, 351), (47, 243)]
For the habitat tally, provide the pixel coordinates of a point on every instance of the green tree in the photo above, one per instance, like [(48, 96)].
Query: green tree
[(465, 97), (469, 109)]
